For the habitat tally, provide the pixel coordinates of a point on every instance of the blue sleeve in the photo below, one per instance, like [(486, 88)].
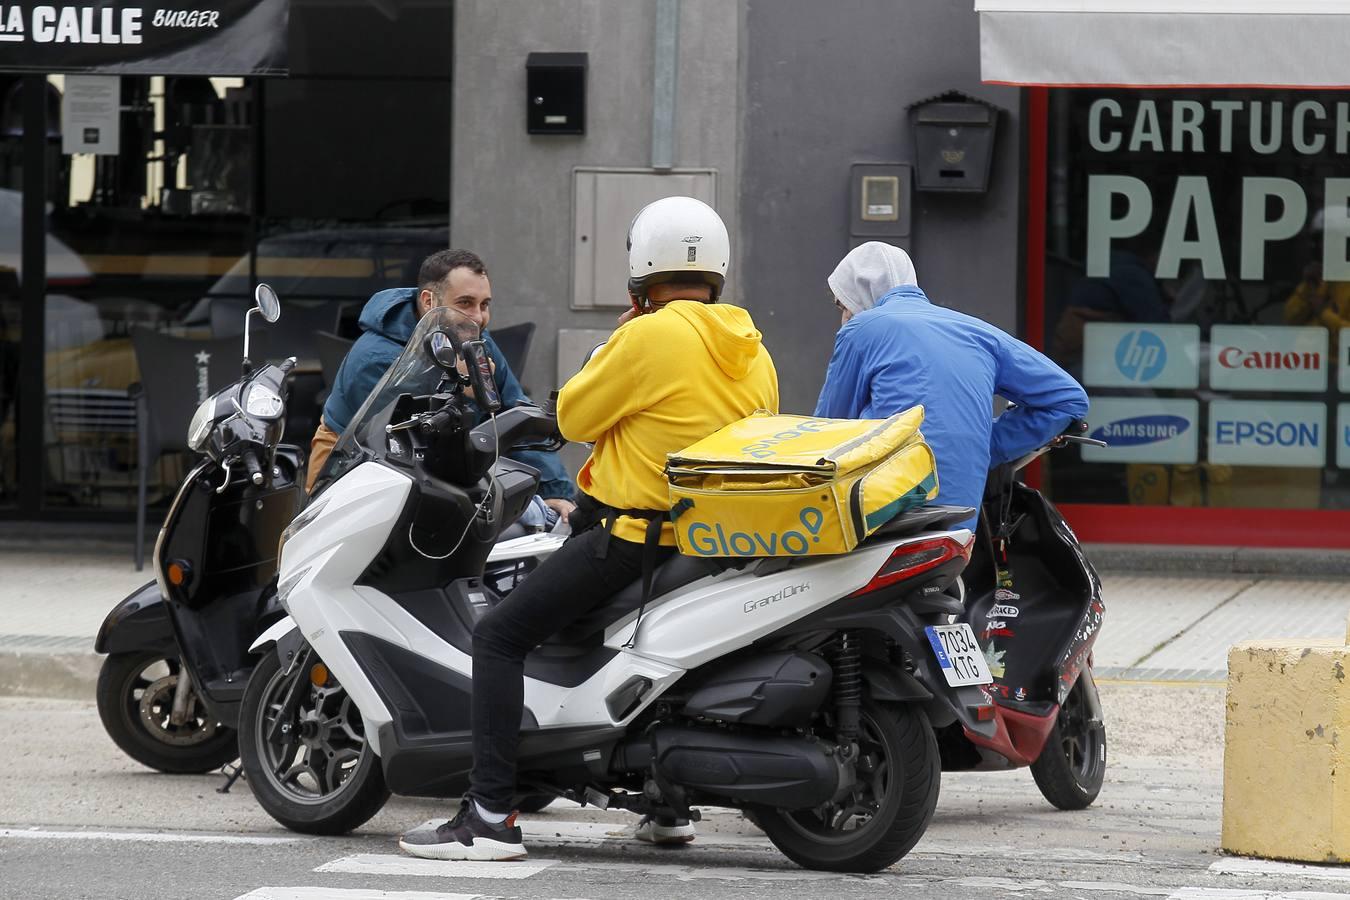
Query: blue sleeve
[(361, 370), (507, 385), (1047, 399), (554, 482), (845, 393)]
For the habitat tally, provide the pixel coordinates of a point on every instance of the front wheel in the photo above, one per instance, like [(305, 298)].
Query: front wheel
[(308, 762), (135, 701), (1072, 765), (891, 806)]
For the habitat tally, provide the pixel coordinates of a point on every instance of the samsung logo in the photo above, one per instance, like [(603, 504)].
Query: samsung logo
[(1138, 430)]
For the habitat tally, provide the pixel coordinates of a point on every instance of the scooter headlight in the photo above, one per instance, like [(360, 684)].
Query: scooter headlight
[(307, 515), (200, 426)]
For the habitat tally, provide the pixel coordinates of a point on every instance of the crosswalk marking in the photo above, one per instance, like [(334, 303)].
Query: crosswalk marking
[(318, 893), (1237, 865), (390, 864)]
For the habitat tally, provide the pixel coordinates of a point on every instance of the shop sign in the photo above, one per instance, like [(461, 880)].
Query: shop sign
[(1259, 433), (1343, 361), (1268, 358), (1343, 436), (222, 37), (1143, 429), (1132, 354)]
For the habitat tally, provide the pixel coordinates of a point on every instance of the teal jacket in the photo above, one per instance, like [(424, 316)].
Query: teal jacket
[(387, 321)]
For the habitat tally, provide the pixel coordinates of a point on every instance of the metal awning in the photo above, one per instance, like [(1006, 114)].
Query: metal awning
[(1165, 43)]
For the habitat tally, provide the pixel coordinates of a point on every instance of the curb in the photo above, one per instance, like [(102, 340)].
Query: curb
[(68, 675), (1152, 559)]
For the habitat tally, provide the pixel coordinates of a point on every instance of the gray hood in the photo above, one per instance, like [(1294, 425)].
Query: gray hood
[(868, 273)]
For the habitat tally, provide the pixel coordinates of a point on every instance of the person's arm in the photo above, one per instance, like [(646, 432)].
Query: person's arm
[(360, 371), (614, 384), (1047, 399), (845, 392), (507, 384)]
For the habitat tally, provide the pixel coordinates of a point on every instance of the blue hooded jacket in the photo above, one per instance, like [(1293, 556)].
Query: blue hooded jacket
[(387, 321), (905, 351)]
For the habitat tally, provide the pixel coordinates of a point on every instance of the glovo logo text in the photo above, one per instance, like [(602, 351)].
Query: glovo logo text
[(713, 540), (764, 448)]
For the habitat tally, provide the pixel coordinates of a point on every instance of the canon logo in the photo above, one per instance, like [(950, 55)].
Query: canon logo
[(1237, 358)]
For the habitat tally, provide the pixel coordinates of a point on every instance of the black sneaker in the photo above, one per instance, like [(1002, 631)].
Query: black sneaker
[(467, 836)]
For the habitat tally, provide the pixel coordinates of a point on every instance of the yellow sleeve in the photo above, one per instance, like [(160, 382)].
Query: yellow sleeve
[(609, 387)]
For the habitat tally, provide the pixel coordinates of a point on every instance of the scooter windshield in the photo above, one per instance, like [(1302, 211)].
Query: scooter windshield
[(415, 372)]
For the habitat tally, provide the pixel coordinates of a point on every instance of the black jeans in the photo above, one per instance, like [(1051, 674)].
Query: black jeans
[(565, 586)]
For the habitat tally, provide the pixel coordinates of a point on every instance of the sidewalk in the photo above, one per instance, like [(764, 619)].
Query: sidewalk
[(1159, 627)]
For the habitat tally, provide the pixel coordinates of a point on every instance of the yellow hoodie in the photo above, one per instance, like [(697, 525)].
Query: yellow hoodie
[(664, 381)]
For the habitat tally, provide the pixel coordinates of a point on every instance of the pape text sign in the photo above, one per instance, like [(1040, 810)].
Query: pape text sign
[(147, 37)]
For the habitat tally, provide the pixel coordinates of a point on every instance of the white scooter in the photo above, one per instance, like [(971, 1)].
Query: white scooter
[(800, 690)]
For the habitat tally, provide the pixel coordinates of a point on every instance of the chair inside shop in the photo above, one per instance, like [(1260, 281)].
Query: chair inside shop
[(514, 342), (170, 389)]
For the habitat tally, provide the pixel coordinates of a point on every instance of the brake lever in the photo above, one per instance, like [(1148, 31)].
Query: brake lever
[(403, 426), (226, 483)]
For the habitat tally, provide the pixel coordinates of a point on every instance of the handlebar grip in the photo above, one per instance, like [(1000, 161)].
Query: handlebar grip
[(252, 466), (287, 364), (1076, 427)]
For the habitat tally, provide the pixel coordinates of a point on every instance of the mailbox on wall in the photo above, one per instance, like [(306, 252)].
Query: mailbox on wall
[(555, 101), (953, 142)]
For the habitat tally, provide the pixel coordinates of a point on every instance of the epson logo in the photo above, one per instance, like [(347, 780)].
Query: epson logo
[(1138, 430), (1267, 434), (791, 590)]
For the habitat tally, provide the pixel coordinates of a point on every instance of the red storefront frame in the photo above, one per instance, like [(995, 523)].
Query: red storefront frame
[(1103, 523)]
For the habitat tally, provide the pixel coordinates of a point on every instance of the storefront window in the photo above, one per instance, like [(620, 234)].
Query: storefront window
[(1198, 285)]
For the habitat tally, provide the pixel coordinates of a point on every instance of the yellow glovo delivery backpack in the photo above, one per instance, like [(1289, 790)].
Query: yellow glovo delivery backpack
[(771, 485)]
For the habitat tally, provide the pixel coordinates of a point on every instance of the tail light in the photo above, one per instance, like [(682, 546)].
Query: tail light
[(909, 560)]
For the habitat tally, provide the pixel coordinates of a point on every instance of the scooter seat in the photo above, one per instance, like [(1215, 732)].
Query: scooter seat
[(923, 518), (673, 574)]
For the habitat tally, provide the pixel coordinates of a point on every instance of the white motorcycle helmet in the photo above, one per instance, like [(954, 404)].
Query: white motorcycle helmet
[(677, 239)]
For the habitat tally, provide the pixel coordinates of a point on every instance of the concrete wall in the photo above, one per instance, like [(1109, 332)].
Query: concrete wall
[(826, 85), (511, 192)]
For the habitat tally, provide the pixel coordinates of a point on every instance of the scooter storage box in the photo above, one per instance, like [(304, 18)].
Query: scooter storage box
[(771, 485)]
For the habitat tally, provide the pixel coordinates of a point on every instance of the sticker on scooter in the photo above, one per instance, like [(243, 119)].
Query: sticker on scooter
[(959, 654), (1001, 611)]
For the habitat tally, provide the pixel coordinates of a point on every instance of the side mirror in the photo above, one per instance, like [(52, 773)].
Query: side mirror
[(442, 350), (266, 300)]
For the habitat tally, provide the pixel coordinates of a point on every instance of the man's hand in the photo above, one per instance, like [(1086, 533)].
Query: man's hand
[(629, 314), (560, 506)]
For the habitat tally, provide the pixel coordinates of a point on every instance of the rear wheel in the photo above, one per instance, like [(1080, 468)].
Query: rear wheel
[(1072, 765), (135, 701), (312, 768), (887, 812)]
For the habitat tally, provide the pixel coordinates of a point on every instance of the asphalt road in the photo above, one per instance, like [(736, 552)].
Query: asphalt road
[(79, 820)]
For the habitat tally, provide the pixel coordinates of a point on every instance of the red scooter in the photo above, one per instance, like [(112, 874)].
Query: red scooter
[(1035, 604)]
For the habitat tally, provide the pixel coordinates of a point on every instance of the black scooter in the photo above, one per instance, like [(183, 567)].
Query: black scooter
[(1035, 604), (170, 688)]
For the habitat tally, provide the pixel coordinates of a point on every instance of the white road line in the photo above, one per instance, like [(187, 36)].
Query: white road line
[(1244, 894), (144, 837), (387, 864), (1237, 865), (323, 893)]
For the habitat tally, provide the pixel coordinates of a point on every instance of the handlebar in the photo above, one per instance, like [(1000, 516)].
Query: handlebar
[(252, 466)]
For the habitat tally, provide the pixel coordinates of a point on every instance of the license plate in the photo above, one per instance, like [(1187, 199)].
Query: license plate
[(959, 654)]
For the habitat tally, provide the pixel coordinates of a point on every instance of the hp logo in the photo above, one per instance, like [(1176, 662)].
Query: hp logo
[(1141, 356)]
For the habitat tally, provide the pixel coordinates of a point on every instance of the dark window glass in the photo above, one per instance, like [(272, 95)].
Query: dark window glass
[(1198, 285)]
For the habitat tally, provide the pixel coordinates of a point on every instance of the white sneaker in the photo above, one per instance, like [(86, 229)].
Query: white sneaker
[(665, 831)]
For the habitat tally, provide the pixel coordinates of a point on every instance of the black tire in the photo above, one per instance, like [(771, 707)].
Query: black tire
[(1072, 764), (324, 804), (135, 696), (900, 741), (534, 803)]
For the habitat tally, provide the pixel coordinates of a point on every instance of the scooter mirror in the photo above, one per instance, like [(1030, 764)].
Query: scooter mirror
[(268, 303), (442, 350)]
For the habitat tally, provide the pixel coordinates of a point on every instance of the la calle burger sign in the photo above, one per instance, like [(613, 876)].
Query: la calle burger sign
[(223, 37)]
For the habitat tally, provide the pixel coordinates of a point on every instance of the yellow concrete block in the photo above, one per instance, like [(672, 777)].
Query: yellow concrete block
[(1286, 761)]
